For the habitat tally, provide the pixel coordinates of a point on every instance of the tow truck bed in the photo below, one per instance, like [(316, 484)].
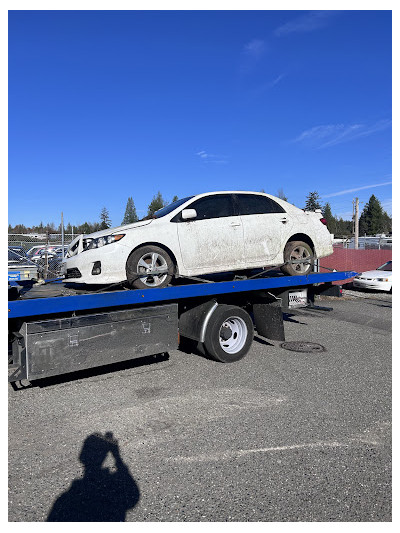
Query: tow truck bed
[(61, 334)]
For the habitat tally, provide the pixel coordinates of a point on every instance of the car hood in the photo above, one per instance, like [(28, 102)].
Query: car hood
[(375, 274), (119, 229)]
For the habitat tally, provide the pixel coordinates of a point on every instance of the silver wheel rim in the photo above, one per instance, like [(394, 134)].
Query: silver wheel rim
[(152, 269), (300, 253), (236, 327)]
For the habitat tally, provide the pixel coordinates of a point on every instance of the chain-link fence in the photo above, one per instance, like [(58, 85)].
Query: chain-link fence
[(41, 255), (365, 243)]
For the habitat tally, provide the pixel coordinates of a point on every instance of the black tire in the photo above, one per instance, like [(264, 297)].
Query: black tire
[(136, 271), (235, 324), (297, 250)]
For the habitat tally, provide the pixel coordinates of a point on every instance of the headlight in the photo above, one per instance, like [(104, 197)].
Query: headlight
[(382, 279), (90, 244)]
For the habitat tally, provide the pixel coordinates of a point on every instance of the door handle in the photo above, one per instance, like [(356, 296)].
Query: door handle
[(233, 224), (284, 220)]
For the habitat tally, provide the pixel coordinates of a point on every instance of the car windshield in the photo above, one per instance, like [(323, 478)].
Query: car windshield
[(168, 208), (387, 267)]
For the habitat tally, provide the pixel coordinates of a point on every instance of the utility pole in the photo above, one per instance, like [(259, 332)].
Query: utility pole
[(356, 227), (62, 234)]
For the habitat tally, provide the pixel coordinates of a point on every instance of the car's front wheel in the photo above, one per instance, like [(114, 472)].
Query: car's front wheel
[(297, 251), (149, 267)]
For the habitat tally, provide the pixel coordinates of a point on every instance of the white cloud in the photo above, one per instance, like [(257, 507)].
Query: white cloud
[(331, 134), (251, 55), (348, 191), (309, 22), (256, 47), (266, 86), (211, 158)]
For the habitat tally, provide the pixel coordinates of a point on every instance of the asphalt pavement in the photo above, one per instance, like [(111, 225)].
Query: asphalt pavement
[(280, 436)]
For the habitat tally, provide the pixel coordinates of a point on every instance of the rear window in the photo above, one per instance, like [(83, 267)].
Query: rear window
[(252, 204)]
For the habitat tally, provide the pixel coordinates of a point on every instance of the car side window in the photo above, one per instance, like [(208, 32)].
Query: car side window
[(218, 206), (252, 204)]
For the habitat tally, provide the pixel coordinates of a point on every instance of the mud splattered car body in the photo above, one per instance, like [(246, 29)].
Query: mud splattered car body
[(202, 234)]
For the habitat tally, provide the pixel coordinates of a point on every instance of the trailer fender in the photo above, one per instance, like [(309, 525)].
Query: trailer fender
[(193, 321)]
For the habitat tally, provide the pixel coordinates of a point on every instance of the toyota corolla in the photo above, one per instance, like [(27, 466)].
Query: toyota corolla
[(202, 234)]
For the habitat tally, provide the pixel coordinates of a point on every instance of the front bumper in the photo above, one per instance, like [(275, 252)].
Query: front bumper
[(372, 284), (112, 257)]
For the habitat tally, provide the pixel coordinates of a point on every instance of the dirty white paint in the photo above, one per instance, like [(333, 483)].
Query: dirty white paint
[(204, 246)]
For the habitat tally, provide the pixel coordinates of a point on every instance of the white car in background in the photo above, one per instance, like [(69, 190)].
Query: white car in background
[(379, 279), (202, 234)]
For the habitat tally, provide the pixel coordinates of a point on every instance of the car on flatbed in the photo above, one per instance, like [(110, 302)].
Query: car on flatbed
[(203, 234)]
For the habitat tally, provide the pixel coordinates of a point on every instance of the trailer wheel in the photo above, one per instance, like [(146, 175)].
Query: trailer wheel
[(148, 267), (229, 334), (294, 251)]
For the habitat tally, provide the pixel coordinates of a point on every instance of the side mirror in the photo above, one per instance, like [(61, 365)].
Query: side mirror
[(189, 214)]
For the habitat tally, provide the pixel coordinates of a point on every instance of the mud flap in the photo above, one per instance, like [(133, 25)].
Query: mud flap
[(268, 320)]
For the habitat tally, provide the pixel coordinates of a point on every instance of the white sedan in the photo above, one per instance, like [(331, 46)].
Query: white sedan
[(203, 234), (379, 279)]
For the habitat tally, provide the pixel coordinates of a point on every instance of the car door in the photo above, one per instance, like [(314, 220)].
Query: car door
[(213, 241), (266, 226)]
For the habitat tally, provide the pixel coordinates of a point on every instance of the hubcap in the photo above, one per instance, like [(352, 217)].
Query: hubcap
[(152, 269), (300, 253), (233, 335)]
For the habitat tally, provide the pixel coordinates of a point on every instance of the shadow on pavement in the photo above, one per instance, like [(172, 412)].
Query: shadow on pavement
[(102, 494)]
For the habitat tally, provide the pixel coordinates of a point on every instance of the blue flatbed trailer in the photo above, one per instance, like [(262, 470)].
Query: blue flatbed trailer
[(61, 334)]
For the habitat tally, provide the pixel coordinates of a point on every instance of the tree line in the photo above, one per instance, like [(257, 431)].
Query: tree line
[(373, 218), (130, 216)]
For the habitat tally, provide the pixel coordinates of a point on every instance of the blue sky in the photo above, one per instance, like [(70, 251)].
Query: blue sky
[(104, 105)]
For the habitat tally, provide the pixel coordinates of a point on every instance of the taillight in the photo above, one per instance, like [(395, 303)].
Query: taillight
[(323, 220)]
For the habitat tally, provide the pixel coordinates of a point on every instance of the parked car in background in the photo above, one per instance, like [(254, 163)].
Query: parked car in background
[(203, 234), (20, 268), (19, 250), (16, 255), (41, 252), (379, 279), (34, 249)]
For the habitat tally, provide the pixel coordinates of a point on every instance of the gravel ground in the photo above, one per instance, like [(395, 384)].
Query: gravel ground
[(278, 436)]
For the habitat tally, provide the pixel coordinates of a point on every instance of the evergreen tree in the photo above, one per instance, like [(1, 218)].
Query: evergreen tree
[(174, 199), (50, 227), (130, 212), (373, 219), (328, 216), (387, 223), (85, 228), (157, 203), (282, 195), (313, 201), (105, 221)]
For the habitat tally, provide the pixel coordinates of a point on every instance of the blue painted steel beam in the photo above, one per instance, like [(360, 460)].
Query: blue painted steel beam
[(63, 304)]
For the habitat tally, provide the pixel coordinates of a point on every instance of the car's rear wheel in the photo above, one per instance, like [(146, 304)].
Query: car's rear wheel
[(296, 251), (149, 267)]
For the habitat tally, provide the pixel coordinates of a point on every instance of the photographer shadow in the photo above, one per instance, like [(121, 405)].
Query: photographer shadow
[(102, 494)]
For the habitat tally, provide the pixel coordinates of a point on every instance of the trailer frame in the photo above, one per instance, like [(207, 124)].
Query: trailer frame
[(62, 334)]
